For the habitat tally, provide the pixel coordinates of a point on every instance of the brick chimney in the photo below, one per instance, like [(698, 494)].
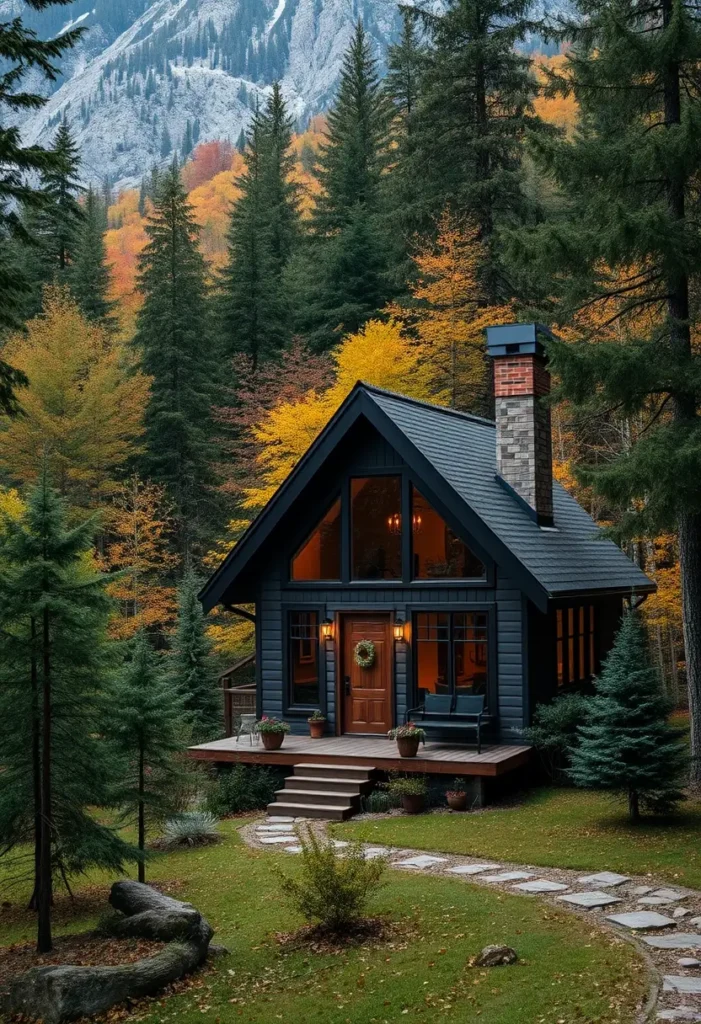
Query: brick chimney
[(524, 435)]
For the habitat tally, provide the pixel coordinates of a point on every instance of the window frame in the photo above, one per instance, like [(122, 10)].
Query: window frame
[(580, 647), (482, 608), (407, 581), (288, 705), (337, 497)]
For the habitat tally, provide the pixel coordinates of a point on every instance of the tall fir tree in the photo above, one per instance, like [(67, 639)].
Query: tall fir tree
[(62, 215), (89, 273), (348, 254), (626, 745), (23, 53), (173, 339), (264, 227), (193, 670), (148, 724), (54, 663), (473, 112), (626, 246)]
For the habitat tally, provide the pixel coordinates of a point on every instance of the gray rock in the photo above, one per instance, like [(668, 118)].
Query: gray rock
[(681, 912), (640, 890), (605, 879), (654, 901), (688, 961), (681, 1013), (473, 869), (496, 956), (673, 940), (424, 860), (682, 983), (641, 919), (541, 885), (668, 894), (696, 921), (272, 840), (508, 876), (590, 899)]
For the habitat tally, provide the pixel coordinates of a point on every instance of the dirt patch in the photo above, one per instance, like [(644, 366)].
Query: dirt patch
[(370, 931)]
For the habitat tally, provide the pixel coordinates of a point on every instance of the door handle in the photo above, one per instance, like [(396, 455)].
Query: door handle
[(347, 681)]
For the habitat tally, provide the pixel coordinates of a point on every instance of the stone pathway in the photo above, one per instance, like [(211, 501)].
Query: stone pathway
[(653, 915)]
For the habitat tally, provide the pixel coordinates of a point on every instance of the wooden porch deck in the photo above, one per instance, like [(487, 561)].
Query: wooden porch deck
[(377, 752)]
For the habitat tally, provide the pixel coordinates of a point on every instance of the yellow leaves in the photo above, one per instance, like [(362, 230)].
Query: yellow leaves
[(83, 407)]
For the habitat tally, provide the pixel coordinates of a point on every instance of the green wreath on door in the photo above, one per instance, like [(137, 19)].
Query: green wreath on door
[(364, 654)]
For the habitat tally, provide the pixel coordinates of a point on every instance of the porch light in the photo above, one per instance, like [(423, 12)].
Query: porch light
[(327, 629), (398, 629)]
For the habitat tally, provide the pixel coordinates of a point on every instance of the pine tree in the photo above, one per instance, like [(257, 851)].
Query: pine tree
[(54, 661), (89, 273), (148, 724), (193, 666), (627, 746), (20, 165), (264, 228), (62, 215), (166, 144), (627, 247), (348, 256), (471, 118)]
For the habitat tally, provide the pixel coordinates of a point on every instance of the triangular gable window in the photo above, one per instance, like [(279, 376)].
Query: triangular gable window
[(437, 553), (319, 558)]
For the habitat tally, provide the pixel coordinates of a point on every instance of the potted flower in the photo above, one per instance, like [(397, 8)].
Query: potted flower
[(317, 722), (273, 732), (411, 790), (457, 797), (408, 738)]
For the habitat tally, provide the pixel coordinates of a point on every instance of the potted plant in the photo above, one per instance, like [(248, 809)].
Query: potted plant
[(408, 738), (317, 722), (273, 732), (457, 797), (411, 790)]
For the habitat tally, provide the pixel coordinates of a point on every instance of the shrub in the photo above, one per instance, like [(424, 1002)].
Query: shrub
[(316, 716), (378, 802), (194, 828), (332, 890), (554, 732), (457, 788), (243, 788), (272, 725), (407, 785)]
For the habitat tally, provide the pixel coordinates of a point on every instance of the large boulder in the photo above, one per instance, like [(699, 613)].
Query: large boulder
[(57, 994)]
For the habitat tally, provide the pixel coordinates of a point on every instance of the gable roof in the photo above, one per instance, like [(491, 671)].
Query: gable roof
[(454, 454)]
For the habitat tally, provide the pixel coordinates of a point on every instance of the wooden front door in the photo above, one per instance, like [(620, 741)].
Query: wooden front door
[(367, 692)]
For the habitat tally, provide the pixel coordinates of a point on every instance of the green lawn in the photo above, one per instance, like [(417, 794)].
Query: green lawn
[(423, 974), (555, 827)]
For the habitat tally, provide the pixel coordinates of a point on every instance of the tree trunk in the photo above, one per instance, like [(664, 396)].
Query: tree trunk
[(44, 942), (36, 765), (142, 821), (633, 805)]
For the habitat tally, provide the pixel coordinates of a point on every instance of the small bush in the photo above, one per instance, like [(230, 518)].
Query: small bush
[(243, 788), (195, 828), (554, 732), (378, 802), (407, 785), (332, 890)]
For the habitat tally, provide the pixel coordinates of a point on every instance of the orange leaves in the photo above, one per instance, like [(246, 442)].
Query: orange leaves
[(208, 160), (562, 111)]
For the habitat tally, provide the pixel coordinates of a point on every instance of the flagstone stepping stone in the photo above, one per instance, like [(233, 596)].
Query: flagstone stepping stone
[(508, 876), (541, 885), (641, 919), (274, 828), (669, 894), (423, 861), (681, 1013), (473, 869), (279, 819), (674, 940), (683, 984), (293, 849), (640, 890), (655, 901), (373, 852), (696, 921), (681, 912), (689, 961), (270, 840), (590, 899), (604, 878)]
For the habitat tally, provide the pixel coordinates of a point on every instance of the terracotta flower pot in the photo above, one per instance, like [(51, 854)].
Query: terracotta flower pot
[(408, 745), (316, 729), (272, 740), (457, 801), (414, 804)]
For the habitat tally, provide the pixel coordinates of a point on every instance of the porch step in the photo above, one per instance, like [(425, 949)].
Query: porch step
[(322, 791)]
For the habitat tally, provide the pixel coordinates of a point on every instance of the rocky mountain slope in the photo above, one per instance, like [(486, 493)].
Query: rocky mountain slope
[(153, 77)]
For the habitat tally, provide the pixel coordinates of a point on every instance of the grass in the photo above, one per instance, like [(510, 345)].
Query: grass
[(555, 828), (422, 975)]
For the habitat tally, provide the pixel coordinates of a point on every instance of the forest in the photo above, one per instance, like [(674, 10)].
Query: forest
[(169, 353)]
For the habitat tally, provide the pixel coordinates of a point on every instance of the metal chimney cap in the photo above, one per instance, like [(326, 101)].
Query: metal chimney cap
[(517, 340)]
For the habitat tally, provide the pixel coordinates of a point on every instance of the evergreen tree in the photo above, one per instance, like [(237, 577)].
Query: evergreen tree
[(172, 336), (470, 121), (193, 667), (348, 253), (54, 661), (89, 273), (264, 228), (627, 248), (626, 745), (166, 143), (148, 725), (62, 215)]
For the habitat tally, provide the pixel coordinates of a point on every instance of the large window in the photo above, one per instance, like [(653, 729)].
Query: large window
[(376, 528), (575, 630), (437, 553), (319, 558), (451, 653), (304, 658)]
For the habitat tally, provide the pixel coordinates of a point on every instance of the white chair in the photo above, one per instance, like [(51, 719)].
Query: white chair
[(248, 725)]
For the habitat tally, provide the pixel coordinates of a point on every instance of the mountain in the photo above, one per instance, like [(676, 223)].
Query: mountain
[(154, 77)]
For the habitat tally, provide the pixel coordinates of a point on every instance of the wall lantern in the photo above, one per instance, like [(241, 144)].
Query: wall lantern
[(327, 629), (398, 629)]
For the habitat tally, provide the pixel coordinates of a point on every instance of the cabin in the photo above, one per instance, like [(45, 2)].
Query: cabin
[(442, 540)]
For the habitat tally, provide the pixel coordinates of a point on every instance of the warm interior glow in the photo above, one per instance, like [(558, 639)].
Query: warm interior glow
[(437, 553), (319, 558), (376, 527)]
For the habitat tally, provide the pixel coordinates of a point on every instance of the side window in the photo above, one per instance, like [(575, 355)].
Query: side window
[(319, 558), (436, 552), (376, 528), (303, 661), (575, 640)]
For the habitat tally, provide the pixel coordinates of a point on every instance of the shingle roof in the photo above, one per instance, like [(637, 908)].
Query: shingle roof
[(573, 557)]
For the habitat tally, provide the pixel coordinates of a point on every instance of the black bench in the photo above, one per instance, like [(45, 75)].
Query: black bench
[(440, 711)]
